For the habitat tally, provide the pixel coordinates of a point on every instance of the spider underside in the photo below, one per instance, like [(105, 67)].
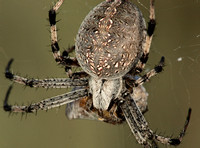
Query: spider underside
[(112, 48)]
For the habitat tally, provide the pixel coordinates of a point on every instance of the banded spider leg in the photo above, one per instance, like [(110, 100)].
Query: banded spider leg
[(64, 59)]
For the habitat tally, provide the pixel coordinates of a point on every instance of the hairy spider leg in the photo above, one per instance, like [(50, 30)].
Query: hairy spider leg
[(130, 77), (46, 104), (133, 82), (63, 59), (48, 83), (150, 30), (45, 83), (133, 115), (131, 119), (49, 103), (140, 128)]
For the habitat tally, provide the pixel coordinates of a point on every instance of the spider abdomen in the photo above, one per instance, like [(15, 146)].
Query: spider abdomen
[(110, 39)]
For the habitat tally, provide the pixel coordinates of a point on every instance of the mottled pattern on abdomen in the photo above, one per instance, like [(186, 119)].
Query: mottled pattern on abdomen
[(110, 40)]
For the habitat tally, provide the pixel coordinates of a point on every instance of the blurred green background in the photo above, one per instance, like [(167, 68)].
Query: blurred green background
[(24, 36)]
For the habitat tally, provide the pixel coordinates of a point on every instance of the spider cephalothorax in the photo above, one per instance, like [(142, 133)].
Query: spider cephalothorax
[(112, 47)]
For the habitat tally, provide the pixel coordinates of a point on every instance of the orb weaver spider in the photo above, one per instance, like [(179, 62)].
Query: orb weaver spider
[(112, 48)]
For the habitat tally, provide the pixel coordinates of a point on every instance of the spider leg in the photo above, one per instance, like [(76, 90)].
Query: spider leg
[(132, 82), (45, 83), (135, 119), (175, 141), (63, 59), (157, 69), (134, 125), (46, 104), (150, 30)]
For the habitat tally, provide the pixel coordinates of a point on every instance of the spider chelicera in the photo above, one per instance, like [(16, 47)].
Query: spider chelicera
[(112, 47)]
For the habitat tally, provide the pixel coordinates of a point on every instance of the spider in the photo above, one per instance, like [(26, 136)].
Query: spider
[(112, 48)]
